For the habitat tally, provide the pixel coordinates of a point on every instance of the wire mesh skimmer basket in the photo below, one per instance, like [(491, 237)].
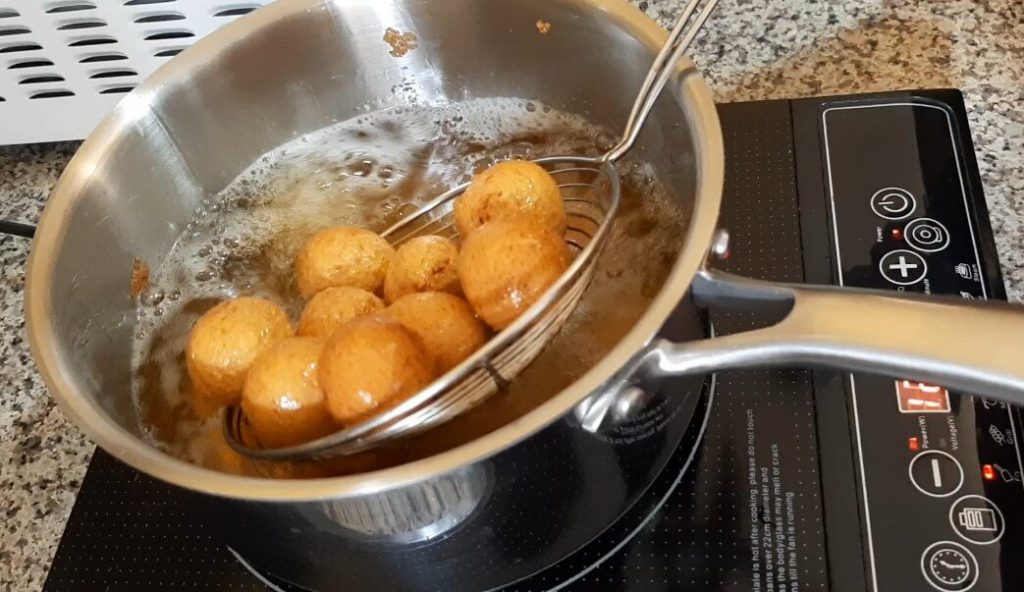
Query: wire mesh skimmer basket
[(591, 191)]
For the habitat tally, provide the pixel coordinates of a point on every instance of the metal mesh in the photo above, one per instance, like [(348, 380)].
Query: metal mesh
[(590, 190)]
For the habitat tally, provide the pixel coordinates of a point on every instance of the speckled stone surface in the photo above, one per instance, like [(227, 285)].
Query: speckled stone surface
[(42, 455), (752, 49), (764, 49)]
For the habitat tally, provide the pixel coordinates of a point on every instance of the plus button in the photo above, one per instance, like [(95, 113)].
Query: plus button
[(903, 268)]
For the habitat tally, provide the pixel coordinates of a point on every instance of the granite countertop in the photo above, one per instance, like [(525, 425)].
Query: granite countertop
[(752, 49)]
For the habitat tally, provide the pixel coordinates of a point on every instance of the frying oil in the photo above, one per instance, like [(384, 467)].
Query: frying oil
[(371, 171)]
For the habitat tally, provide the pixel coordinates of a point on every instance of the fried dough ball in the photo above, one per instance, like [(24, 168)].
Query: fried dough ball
[(282, 398), (333, 307), (506, 265), (424, 264), (511, 189), (225, 341), (370, 364), (445, 323), (342, 256)]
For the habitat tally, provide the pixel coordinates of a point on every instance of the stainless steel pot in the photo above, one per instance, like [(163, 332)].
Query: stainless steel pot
[(299, 65), (294, 67)]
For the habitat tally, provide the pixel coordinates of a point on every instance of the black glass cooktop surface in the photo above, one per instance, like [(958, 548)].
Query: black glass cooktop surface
[(784, 480)]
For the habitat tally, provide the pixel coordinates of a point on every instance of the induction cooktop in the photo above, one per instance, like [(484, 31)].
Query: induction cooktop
[(785, 480)]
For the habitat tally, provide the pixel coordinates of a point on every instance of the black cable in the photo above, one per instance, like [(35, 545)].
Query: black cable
[(17, 229)]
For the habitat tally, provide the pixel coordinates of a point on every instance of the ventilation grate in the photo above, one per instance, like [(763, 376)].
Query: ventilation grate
[(79, 24), (9, 31), (64, 64), (52, 94), (103, 57), (117, 90), (63, 7), (164, 35), (113, 74), (29, 63), (90, 41), (160, 18), (41, 79), (18, 47), (236, 11)]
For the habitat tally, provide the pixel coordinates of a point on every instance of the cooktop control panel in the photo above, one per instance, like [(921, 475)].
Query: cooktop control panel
[(898, 198), (939, 472)]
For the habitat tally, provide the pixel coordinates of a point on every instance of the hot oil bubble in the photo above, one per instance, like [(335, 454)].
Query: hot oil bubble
[(483, 164), (522, 151), (605, 140), (406, 210), (362, 167), (151, 297)]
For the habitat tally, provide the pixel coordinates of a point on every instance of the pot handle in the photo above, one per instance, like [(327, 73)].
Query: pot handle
[(976, 348)]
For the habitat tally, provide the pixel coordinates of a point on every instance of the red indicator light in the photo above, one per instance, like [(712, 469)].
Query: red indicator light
[(988, 472), (897, 233), (913, 444)]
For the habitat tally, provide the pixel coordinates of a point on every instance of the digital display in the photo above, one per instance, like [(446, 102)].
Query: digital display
[(918, 397)]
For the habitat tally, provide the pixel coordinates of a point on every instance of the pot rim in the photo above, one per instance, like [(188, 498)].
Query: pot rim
[(698, 109)]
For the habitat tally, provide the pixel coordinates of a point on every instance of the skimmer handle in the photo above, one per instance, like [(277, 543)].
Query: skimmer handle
[(664, 66)]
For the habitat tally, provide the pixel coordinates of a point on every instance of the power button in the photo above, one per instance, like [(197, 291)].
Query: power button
[(893, 203)]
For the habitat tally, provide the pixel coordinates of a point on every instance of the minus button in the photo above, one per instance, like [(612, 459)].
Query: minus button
[(936, 473)]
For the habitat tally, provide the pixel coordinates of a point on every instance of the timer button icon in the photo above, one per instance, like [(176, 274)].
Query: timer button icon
[(949, 567), (893, 203)]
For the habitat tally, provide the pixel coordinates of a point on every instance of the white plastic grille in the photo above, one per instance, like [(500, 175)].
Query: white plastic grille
[(64, 64)]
